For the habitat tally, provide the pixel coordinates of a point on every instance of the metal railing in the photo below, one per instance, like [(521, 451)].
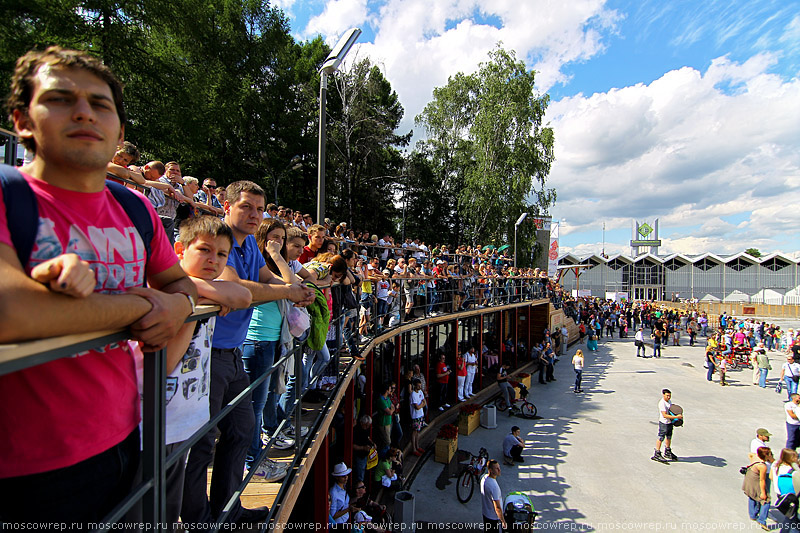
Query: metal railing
[(450, 295)]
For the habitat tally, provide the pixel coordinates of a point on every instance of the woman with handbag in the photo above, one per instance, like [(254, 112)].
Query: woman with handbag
[(790, 375), (781, 474), (755, 487)]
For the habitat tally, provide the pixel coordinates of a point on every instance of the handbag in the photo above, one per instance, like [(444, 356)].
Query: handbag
[(787, 504), (372, 458)]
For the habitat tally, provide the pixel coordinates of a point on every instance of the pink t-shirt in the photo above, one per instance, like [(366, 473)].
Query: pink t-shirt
[(60, 413)]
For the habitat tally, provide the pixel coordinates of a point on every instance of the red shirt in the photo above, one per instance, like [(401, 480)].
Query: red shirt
[(461, 366), (441, 368), (308, 255), (60, 413)]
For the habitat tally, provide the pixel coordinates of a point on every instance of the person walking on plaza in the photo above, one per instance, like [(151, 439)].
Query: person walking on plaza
[(657, 337), (710, 364), (790, 374), (491, 500), (761, 439), (666, 423), (792, 421), (513, 445), (638, 340), (577, 362), (762, 363), (755, 485)]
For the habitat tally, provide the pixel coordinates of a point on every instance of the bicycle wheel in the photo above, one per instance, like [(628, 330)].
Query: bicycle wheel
[(501, 404), (528, 410), (465, 486)]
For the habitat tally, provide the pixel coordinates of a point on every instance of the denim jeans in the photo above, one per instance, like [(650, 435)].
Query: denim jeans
[(762, 377), (656, 349), (432, 299), (359, 467), (578, 378), (258, 357), (711, 367), (320, 360), (790, 385), (758, 511), (80, 493), (792, 435)]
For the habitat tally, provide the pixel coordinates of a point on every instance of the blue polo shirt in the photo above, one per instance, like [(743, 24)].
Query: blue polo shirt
[(231, 329)]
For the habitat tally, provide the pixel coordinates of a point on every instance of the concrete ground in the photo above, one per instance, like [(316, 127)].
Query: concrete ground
[(587, 460)]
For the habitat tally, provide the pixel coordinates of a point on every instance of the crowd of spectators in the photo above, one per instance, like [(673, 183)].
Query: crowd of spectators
[(312, 283)]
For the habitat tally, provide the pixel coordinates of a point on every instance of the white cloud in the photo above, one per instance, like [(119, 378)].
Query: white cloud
[(338, 16), (689, 148), (419, 43)]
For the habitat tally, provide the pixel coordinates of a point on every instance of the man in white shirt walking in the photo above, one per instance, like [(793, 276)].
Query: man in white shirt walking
[(491, 499)]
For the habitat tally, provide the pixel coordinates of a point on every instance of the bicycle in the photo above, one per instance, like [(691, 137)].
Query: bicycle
[(526, 408), (471, 475)]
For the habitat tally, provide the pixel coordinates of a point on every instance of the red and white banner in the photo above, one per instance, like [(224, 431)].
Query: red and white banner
[(552, 252)]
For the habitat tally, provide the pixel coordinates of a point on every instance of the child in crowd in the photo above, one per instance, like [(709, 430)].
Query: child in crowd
[(202, 247)]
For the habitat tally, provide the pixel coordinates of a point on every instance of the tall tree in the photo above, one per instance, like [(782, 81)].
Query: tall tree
[(366, 166), (486, 137)]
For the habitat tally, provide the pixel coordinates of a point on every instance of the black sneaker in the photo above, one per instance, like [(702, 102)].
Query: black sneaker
[(253, 516), (669, 455), (660, 458)]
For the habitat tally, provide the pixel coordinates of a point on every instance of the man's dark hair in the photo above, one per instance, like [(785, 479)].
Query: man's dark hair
[(235, 190), (272, 207), (491, 463), (55, 56), (666, 391), (385, 387), (193, 228), (347, 254), (514, 428)]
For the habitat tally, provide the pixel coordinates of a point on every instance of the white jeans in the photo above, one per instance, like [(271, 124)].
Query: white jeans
[(460, 387), (470, 379)]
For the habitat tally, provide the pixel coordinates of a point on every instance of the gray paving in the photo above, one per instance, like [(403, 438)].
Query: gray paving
[(588, 463)]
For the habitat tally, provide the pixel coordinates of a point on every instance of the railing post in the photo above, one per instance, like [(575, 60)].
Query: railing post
[(153, 437), (480, 351), (349, 423), (321, 476), (299, 392), (427, 361)]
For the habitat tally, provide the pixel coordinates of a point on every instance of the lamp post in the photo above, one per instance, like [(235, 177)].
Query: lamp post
[(516, 226), (332, 63)]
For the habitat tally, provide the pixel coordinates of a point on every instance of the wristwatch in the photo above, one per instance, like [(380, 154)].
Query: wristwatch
[(192, 300)]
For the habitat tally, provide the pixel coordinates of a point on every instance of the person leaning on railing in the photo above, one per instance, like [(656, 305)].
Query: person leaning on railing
[(69, 447)]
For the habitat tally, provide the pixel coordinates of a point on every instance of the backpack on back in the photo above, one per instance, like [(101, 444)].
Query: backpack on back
[(22, 212)]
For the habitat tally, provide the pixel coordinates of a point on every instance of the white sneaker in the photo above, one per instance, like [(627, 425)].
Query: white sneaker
[(290, 431), (441, 408), (270, 470), (282, 442)]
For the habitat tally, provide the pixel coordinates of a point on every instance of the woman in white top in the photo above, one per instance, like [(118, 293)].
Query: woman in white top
[(577, 362), (785, 464), (417, 404)]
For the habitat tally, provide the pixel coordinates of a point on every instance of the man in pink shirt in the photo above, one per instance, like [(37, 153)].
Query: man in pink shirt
[(69, 438)]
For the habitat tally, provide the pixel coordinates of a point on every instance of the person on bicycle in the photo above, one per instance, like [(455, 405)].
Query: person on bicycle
[(513, 445), (509, 394)]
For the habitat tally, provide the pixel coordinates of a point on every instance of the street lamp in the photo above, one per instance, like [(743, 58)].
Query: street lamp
[(330, 65), (516, 226), (294, 164)]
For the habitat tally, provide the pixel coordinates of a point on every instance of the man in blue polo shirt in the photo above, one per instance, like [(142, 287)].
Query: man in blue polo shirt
[(244, 209)]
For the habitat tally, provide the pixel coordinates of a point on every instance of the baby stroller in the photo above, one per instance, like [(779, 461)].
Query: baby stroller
[(518, 511)]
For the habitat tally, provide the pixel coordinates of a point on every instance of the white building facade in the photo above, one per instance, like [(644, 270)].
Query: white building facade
[(772, 279)]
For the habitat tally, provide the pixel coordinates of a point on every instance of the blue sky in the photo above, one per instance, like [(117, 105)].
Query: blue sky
[(686, 111)]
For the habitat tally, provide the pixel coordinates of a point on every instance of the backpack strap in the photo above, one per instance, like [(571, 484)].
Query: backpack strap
[(136, 211), (22, 212)]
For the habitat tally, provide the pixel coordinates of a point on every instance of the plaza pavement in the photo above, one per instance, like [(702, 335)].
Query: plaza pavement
[(587, 460)]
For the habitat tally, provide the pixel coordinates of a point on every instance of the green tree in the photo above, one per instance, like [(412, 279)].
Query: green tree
[(365, 164), (753, 252), (490, 148)]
